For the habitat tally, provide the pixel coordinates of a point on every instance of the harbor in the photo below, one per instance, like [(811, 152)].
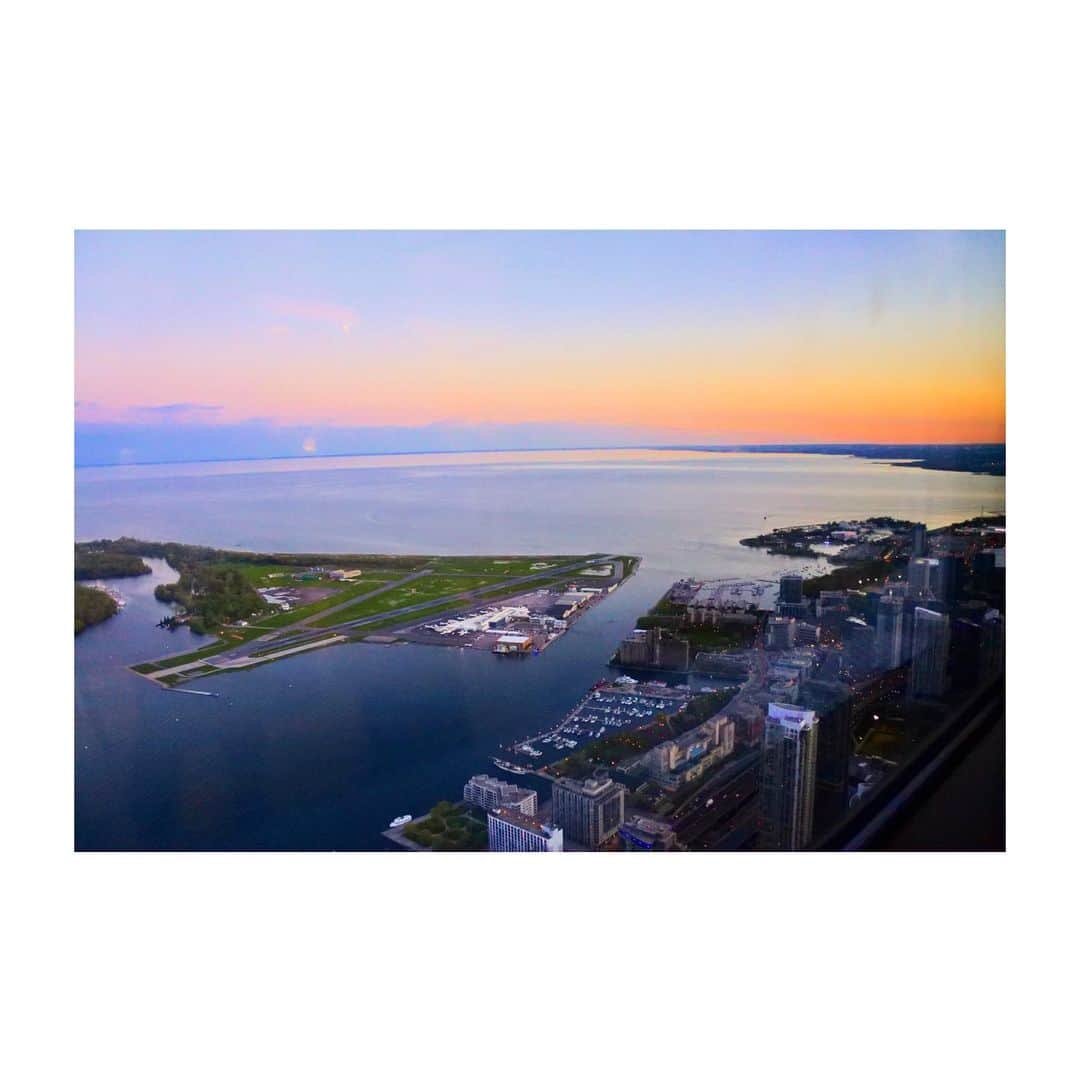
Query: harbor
[(608, 707)]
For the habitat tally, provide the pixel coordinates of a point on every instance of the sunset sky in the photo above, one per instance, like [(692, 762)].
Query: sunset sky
[(223, 344)]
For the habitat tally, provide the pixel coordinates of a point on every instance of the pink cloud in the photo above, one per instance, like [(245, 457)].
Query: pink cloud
[(315, 311)]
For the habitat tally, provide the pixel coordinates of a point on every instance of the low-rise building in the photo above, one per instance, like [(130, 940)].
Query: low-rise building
[(568, 603), (513, 644), (644, 834), (683, 759), (832, 599), (724, 665)]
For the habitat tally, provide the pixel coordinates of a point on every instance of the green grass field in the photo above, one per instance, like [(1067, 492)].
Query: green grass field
[(449, 827), (340, 595), (496, 566), (413, 592), (264, 575)]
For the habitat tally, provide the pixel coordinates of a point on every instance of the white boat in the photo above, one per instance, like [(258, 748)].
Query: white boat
[(509, 766), (404, 819)]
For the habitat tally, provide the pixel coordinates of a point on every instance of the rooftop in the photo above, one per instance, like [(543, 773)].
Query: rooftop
[(791, 717), (522, 821)]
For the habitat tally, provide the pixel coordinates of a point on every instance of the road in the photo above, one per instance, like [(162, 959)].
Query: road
[(737, 779)]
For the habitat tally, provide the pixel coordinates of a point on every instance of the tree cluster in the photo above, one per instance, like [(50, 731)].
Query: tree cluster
[(212, 595), (92, 606)]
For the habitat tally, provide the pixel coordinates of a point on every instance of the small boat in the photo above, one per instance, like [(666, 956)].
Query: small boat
[(404, 819)]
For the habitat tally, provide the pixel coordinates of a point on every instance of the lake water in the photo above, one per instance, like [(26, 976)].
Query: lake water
[(320, 751)]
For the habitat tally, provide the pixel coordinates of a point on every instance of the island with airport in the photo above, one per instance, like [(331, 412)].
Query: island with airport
[(258, 608)]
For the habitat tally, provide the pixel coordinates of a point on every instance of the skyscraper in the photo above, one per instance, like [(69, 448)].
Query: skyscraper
[(589, 811), (992, 647), (918, 540), (890, 632), (949, 574), (780, 632), (965, 636), (788, 774), (790, 601), (859, 647), (930, 654), (922, 575), (791, 589), (831, 702)]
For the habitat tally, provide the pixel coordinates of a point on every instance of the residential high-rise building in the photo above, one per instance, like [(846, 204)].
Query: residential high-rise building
[(791, 589), (831, 702), (929, 654), (780, 632), (965, 641), (912, 601), (588, 811), (949, 576), (922, 575), (859, 647), (833, 607), (988, 571), (510, 831), (654, 648), (790, 600), (890, 632), (488, 792), (788, 775), (918, 540), (992, 646)]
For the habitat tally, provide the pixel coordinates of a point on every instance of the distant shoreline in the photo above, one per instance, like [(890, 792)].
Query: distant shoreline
[(985, 459)]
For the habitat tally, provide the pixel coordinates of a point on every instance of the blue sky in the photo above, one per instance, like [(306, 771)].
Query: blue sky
[(679, 336)]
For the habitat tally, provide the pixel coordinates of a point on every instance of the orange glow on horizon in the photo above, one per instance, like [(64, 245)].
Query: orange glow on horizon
[(936, 383)]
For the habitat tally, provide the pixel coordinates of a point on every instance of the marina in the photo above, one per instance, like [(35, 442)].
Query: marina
[(607, 708)]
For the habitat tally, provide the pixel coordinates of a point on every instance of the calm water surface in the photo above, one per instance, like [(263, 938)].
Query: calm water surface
[(320, 751)]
